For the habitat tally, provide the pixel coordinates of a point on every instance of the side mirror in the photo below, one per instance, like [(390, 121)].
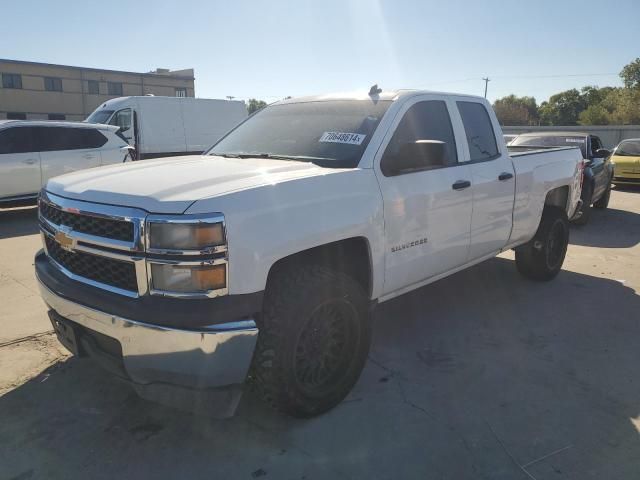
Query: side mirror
[(418, 155), (602, 153), (124, 128)]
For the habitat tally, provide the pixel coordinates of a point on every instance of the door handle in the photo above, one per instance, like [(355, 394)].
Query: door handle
[(29, 161), (505, 176), (461, 185)]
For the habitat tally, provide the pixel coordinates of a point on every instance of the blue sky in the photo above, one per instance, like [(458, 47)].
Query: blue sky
[(271, 49)]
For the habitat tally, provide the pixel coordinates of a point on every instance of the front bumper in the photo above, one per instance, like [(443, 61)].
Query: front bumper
[(200, 370)]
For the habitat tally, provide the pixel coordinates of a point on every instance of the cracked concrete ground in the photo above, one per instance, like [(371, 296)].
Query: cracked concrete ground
[(482, 375)]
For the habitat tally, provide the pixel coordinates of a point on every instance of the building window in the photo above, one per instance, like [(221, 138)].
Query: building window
[(57, 116), (16, 115), (114, 88), (94, 87), (181, 92), (11, 80), (52, 84)]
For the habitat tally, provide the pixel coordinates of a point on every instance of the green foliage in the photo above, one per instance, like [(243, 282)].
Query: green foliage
[(630, 74), (589, 106), (562, 108), (255, 105), (514, 110)]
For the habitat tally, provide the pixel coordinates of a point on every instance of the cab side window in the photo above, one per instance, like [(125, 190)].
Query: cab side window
[(17, 140), (480, 135), (595, 145), (428, 120)]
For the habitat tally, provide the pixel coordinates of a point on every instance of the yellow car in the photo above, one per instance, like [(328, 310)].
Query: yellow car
[(626, 159)]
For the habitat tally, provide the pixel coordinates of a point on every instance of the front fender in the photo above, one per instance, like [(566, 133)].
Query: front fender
[(270, 222)]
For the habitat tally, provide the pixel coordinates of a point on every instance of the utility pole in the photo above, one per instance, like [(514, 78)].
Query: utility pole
[(486, 84)]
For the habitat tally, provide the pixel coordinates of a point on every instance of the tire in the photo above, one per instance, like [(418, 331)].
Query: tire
[(310, 311), (603, 201), (586, 206), (542, 257)]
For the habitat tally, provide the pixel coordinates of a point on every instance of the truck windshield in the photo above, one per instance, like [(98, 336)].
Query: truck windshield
[(328, 133), (100, 116), (547, 141), (629, 148)]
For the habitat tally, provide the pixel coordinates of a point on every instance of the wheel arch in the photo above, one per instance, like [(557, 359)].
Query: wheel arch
[(351, 256)]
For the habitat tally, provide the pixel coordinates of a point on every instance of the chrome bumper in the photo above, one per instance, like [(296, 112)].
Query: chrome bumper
[(159, 358)]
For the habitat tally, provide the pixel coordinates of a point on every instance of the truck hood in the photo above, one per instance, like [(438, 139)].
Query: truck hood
[(171, 185)]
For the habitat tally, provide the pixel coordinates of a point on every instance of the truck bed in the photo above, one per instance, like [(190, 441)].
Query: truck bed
[(539, 170)]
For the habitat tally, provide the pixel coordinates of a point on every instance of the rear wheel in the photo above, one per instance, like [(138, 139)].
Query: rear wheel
[(542, 258), (314, 339)]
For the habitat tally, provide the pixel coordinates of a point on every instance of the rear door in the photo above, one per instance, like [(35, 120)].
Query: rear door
[(493, 178), (19, 163), (427, 213), (67, 149)]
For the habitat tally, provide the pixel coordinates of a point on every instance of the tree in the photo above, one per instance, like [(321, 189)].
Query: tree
[(562, 108), (255, 105), (594, 115), (630, 74), (514, 110)]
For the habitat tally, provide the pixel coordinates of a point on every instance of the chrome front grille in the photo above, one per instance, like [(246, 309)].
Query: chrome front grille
[(104, 270), (88, 224), (105, 246)]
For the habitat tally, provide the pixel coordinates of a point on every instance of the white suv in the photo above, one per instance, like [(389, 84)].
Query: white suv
[(32, 152)]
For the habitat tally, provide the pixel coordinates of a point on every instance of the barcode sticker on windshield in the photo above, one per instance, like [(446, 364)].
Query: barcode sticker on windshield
[(342, 137)]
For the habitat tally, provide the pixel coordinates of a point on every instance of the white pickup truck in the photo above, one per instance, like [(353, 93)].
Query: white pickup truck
[(262, 259)]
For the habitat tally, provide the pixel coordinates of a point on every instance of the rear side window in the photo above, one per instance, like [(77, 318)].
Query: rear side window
[(480, 135), (17, 140), (64, 138), (425, 121)]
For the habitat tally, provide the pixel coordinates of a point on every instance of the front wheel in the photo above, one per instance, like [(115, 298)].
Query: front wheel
[(314, 339), (543, 256)]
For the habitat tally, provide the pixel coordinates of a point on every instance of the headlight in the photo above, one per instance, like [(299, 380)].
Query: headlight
[(185, 236), (188, 278)]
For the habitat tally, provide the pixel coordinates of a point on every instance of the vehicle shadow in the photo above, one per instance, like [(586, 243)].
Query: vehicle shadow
[(466, 377), (609, 228), (17, 222)]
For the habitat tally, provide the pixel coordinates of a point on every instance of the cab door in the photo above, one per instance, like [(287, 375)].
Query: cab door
[(19, 163), (493, 179), (427, 213)]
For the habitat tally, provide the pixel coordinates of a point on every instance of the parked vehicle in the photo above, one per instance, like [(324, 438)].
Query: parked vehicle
[(509, 137), (626, 160), (275, 245), (598, 169), (31, 152), (170, 126)]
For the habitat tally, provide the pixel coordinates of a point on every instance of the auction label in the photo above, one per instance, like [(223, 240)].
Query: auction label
[(342, 137)]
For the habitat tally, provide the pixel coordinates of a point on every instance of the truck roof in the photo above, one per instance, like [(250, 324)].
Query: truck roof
[(364, 95)]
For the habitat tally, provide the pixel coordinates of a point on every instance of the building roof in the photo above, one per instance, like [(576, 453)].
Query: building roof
[(185, 74)]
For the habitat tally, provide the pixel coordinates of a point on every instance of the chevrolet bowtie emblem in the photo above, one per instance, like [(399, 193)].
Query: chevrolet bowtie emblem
[(64, 240)]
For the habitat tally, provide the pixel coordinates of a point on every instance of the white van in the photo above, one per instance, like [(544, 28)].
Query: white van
[(168, 126)]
